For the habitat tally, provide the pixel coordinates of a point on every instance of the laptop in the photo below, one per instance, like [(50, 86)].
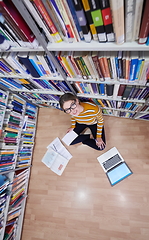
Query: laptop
[(114, 166)]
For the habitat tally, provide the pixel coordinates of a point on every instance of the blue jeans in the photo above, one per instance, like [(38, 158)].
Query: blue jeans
[(85, 138)]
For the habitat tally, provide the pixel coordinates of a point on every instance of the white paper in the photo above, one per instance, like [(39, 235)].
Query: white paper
[(54, 161), (69, 137), (57, 146)]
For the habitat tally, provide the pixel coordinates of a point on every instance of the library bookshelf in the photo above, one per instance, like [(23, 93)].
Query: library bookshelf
[(18, 127), (117, 95)]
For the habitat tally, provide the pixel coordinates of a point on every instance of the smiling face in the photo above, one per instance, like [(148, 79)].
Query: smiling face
[(72, 107)]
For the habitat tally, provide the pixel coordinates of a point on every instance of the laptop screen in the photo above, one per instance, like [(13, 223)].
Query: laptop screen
[(118, 173)]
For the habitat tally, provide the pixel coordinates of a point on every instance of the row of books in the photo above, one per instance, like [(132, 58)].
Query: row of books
[(100, 20), (121, 66), (32, 64), (115, 113), (39, 96), (120, 91), (4, 183), (3, 97), (18, 195), (119, 105), (14, 154)]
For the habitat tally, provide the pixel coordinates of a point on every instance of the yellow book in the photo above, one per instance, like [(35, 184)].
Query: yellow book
[(101, 103), (11, 129), (17, 193), (66, 64), (86, 7)]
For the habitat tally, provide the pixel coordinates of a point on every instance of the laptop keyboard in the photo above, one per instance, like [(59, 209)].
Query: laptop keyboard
[(112, 161)]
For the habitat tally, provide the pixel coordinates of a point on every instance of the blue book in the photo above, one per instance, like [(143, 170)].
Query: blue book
[(33, 59), (102, 89), (138, 68), (133, 66), (51, 65), (82, 87), (27, 63), (117, 67), (147, 42), (128, 105), (12, 82), (5, 67), (94, 87), (72, 10)]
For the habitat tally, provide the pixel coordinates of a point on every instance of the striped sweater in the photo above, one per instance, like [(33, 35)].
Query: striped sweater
[(91, 114)]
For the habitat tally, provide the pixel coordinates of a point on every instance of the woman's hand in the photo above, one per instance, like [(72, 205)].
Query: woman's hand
[(100, 143), (69, 130)]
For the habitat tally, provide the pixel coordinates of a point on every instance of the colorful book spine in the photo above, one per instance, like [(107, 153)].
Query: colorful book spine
[(87, 10), (117, 7), (98, 20), (107, 20), (48, 20), (82, 20), (72, 10), (144, 28)]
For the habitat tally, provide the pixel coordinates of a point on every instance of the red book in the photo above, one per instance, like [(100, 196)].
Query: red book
[(107, 19), (48, 20), (121, 90), (97, 66), (144, 29), (16, 21)]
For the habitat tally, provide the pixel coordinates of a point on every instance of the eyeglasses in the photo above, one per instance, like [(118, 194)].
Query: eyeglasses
[(72, 106)]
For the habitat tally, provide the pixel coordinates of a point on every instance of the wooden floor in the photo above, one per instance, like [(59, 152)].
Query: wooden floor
[(81, 204)]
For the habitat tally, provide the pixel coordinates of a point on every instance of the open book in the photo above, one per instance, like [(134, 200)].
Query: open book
[(56, 157)]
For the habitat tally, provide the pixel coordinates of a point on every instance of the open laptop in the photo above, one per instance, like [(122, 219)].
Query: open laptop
[(114, 166)]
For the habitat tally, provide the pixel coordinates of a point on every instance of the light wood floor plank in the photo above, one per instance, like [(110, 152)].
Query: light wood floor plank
[(81, 204)]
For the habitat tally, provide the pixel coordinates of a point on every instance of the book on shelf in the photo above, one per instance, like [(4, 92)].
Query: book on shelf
[(88, 15), (107, 20), (126, 92), (129, 19), (45, 16), (109, 89), (75, 19), (144, 28), (82, 20), (137, 19), (17, 23), (97, 65), (96, 14), (66, 19), (117, 8)]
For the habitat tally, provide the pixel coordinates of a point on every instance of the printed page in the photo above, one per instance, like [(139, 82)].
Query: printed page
[(69, 137), (49, 157), (57, 146), (59, 165)]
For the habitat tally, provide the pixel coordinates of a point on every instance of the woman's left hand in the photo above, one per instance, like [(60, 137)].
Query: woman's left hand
[(100, 143)]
